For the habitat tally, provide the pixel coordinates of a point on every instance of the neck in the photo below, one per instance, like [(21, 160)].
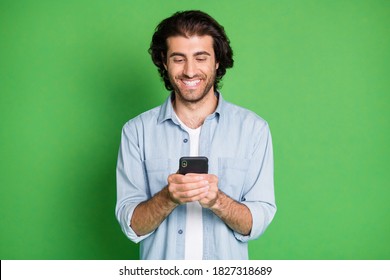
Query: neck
[(193, 114)]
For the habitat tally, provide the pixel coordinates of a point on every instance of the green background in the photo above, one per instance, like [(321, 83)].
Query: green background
[(73, 72)]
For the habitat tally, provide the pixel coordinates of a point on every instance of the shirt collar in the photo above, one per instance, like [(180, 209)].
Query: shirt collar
[(167, 112)]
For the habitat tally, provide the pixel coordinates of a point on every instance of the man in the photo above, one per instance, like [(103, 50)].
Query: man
[(194, 216)]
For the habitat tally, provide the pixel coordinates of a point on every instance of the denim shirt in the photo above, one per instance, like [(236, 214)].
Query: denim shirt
[(238, 145)]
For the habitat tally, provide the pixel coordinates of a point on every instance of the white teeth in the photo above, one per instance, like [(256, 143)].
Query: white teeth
[(191, 83)]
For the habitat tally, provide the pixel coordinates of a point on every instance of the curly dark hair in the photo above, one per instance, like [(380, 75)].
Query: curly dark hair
[(186, 24)]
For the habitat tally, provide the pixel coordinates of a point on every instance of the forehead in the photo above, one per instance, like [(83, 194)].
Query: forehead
[(190, 45)]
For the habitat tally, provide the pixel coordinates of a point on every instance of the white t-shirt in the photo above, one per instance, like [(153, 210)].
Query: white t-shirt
[(194, 220)]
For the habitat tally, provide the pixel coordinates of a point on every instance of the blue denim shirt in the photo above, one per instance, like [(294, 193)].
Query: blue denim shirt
[(238, 145)]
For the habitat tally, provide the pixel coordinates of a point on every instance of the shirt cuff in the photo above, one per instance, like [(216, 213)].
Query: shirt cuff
[(261, 218), (125, 217)]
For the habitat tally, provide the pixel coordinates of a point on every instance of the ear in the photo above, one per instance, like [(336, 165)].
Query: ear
[(216, 65)]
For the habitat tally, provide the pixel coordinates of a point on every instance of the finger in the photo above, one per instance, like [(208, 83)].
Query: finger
[(211, 178), (197, 197), (192, 195), (185, 187), (196, 192), (191, 177), (188, 178)]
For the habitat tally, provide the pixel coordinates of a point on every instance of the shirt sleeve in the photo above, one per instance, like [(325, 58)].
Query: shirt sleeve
[(258, 193), (131, 182)]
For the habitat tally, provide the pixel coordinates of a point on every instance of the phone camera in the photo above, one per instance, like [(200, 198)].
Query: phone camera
[(184, 163)]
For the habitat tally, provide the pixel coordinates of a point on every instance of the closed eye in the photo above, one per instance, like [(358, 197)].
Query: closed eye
[(178, 60), (201, 58)]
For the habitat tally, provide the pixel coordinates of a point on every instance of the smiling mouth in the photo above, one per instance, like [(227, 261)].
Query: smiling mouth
[(191, 83)]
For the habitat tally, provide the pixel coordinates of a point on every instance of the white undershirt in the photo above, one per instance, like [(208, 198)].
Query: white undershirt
[(194, 221)]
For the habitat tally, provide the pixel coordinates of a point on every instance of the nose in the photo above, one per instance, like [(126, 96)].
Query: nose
[(189, 69)]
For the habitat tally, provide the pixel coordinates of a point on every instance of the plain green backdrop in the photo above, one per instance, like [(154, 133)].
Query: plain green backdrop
[(73, 72)]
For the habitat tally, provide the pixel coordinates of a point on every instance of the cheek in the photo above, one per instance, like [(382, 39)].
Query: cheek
[(172, 73), (209, 69)]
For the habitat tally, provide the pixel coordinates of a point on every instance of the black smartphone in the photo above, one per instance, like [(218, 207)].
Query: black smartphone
[(193, 165)]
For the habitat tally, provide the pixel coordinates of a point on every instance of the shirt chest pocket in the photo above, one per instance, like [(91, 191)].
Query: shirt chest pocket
[(232, 173), (157, 172)]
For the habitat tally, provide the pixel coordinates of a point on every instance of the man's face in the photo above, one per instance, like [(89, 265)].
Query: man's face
[(191, 67)]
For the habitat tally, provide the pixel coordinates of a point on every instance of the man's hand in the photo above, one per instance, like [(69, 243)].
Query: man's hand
[(210, 199), (188, 188), (204, 188), (182, 189), (148, 215)]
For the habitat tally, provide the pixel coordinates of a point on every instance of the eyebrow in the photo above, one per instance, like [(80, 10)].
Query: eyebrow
[(195, 54)]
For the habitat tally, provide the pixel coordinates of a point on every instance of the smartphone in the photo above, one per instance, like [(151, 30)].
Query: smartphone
[(193, 165)]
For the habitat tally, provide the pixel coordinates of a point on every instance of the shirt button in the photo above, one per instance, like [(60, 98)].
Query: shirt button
[(180, 231), (185, 140)]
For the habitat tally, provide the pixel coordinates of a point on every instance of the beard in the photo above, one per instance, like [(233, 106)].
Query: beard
[(195, 95)]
